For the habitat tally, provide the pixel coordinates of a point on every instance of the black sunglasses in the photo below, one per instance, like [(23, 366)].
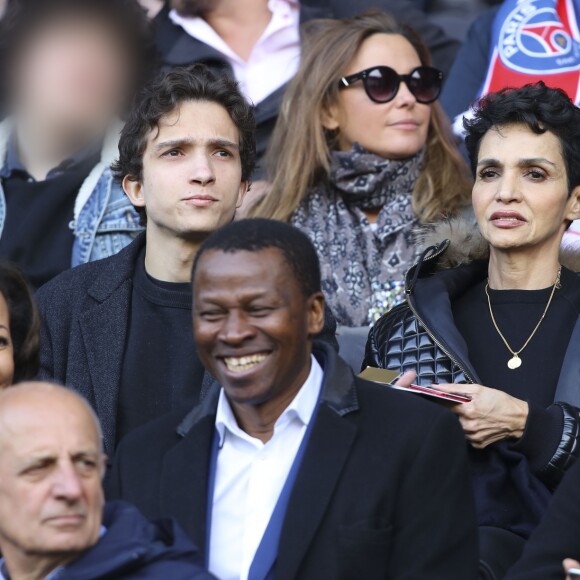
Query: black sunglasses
[(382, 83)]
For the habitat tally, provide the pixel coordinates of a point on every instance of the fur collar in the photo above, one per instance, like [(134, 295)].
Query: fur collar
[(468, 245)]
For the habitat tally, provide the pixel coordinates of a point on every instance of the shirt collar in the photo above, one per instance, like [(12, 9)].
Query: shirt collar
[(301, 408), (197, 27)]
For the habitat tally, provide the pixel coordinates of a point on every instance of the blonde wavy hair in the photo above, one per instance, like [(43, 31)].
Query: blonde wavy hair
[(300, 151)]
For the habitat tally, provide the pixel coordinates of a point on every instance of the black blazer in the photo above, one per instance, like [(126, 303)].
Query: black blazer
[(85, 320), (383, 490), (85, 317)]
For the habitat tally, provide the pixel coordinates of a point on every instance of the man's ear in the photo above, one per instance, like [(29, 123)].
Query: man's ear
[(133, 188), (103, 465), (244, 188), (315, 308), (574, 205)]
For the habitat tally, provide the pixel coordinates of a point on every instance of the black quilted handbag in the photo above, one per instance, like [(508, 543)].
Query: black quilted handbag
[(400, 342)]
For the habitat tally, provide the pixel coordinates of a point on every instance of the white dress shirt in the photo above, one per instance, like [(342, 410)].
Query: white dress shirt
[(274, 59), (250, 476)]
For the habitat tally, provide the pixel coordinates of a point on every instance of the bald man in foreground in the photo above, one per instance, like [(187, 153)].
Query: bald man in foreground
[(53, 519)]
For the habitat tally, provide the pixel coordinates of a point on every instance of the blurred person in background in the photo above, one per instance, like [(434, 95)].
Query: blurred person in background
[(259, 42), (19, 328), (360, 156), (71, 68)]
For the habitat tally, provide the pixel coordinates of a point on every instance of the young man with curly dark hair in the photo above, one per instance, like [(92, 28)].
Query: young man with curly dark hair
[(119, 330)]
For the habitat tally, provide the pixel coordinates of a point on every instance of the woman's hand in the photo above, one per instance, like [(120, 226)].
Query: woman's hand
[(490, 416), (406, 379), (568, 564)]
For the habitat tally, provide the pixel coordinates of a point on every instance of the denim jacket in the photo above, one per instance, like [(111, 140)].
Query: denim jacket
[(104, 219)]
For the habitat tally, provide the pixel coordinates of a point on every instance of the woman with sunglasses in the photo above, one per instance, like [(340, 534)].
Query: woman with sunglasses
[(360, 155), (493, 313)]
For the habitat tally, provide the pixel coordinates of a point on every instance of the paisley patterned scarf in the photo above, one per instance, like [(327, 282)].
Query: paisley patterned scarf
[(363, 266)]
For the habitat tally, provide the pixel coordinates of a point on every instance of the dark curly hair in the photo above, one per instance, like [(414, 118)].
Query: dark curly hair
[(539, 107), (24, 322), (255, 234), (189, 83)]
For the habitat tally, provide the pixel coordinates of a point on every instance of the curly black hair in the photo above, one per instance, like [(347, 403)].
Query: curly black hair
[(539, 107), (159, 98), (255, 234)]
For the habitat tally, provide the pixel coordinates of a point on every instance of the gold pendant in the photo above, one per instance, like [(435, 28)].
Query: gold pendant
[(515, 362)]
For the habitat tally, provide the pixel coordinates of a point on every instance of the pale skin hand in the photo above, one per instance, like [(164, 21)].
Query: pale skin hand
[(490, 416), (406, 379), (569, 563)]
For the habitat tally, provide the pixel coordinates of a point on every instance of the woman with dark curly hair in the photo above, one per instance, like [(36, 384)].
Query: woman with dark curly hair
[(19, 328), (497, 308)]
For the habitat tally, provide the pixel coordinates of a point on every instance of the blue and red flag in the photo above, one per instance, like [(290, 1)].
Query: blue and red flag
[(535, 40)]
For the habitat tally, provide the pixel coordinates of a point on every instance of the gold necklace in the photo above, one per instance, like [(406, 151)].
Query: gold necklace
[(516, 362)]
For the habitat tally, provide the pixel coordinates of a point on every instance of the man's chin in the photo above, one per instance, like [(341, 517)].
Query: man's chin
[(66, 545), (250, 395)]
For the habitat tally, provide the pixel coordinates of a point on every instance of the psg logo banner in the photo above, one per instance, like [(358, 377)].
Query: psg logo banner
[(535, 40)]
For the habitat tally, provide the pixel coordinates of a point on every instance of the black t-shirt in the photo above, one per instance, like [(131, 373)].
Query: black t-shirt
[(161, 370), (36, 234), (517, 312), (507, 493)]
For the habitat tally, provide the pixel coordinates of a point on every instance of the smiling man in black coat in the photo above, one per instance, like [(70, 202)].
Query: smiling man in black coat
[(294, 468)]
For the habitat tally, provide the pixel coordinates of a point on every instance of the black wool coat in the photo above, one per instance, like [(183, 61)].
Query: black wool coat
[(557, 537), (383, 490), (85, 318)]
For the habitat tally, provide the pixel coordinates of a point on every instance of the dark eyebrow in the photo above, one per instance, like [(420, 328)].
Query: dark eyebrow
[(226, 143), (535, 161), (488, 161), (521, 162), (172, 143)]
